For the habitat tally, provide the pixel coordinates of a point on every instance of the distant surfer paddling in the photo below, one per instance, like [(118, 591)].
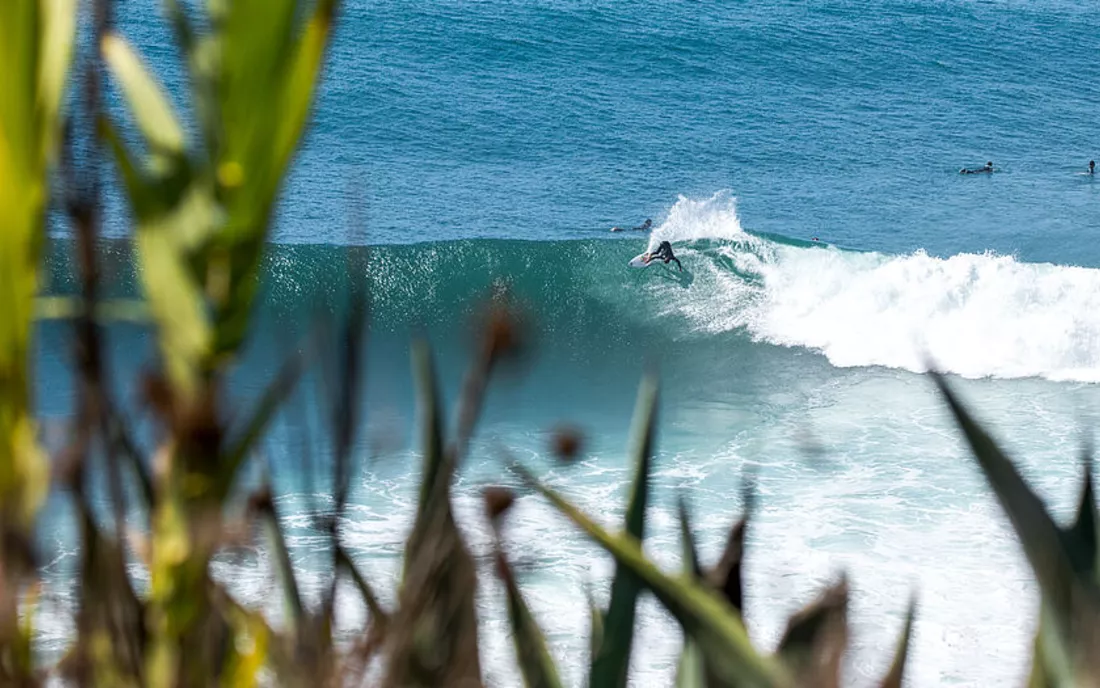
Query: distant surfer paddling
[(644, 227), (1092, 167), (987, 169), (663, 252)]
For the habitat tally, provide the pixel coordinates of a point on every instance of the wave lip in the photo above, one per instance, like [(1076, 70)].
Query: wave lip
[(975, 315), (692, 220)]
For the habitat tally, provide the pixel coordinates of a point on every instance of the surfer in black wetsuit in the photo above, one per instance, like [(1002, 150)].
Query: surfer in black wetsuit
[(664, 252), (1092, 167), (978, 170)]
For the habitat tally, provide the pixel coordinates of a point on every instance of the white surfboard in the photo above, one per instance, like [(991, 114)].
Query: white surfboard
[(638, 261)]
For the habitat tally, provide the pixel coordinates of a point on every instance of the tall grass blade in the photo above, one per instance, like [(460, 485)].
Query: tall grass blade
[(268, 65), (284, 568), (1068, 644), (595, 623), (705, 617), (257, 423), (36, 43), (896, 674), (725, 577), (612, 659), (1042, 539), (111, 620), (813, 646), (688, 552), (379, 617), (165, 242), (432, 640), (1083, 532), (535, 662), (1048, 665), (431, 424), (691, 671)]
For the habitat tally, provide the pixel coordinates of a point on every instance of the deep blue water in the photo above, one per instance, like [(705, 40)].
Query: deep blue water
[(504, 140), (838, 119)]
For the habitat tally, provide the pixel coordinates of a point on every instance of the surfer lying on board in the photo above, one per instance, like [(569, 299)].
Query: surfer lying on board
[(644, 227), (663, 252), (978, 170)]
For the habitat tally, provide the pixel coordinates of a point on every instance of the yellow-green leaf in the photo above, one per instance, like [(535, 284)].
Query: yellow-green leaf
[(36, 38), (148, 103), (176, 299)]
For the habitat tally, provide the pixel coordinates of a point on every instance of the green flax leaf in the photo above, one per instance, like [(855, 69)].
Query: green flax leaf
[(1068, 643), (148, 103), (612, 658), (706, 618)]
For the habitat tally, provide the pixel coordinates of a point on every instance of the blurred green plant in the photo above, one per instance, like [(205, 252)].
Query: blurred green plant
[(35, 44), (707, 604), (36, 41), (203, 213)]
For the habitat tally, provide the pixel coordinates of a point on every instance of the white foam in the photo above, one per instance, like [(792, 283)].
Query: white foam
[(691, 220), (976, 315)]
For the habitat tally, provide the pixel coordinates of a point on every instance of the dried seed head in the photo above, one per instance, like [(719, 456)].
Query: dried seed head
[(498, 500), (503, 337), (157, 393), (567, 443), (261, 500)]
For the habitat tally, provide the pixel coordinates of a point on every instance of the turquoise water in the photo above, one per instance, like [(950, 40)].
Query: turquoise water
[(494, 144)]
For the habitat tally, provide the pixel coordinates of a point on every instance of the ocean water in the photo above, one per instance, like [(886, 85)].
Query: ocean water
[(493, 144)]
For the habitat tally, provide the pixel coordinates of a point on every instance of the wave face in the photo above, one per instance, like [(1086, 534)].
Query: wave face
[(975, 315)]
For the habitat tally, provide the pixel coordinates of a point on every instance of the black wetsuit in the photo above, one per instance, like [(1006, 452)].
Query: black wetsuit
[(664, 252)]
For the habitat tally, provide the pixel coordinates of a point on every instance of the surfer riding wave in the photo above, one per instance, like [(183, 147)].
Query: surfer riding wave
[(663, 252)]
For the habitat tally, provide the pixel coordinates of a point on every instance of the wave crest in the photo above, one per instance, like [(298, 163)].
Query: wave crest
[(976, 315)]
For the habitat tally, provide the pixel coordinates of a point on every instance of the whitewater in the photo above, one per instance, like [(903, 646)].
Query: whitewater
[(976, 315)]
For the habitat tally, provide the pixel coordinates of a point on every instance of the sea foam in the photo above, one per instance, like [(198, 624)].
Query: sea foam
[(973, 314)]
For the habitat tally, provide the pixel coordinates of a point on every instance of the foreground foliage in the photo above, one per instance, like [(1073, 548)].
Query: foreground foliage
[(203, 212)]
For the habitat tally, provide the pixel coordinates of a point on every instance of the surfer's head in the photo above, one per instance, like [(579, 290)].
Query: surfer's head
[(989, 165)]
